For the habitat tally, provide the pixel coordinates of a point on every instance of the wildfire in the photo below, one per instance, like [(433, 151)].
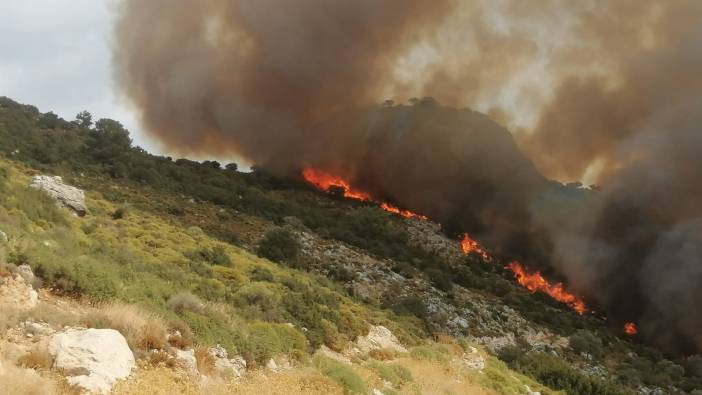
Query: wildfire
[(630, 329), (324, 181), (535, 282), (469, 245)]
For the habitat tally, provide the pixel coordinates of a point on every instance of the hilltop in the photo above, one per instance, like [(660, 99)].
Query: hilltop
[(271, 269)]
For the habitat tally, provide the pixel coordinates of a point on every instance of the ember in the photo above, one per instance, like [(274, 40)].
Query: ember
[(630, 329)]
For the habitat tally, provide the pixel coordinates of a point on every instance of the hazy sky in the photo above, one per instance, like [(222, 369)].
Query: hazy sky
[(56, 56)]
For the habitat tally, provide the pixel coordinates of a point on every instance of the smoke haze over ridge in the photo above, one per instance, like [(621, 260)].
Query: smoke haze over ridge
[(609, 92)]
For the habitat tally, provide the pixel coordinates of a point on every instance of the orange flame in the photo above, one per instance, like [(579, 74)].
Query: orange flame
[(469, 245), (535, 282), (630, 329), (324, 181)]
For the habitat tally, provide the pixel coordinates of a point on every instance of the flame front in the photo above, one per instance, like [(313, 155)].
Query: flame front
[(324, 181), (469, 246), (630, 329), (536, 282), (532, 281)]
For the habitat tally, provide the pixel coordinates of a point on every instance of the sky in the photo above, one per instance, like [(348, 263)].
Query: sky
[(56, 56)]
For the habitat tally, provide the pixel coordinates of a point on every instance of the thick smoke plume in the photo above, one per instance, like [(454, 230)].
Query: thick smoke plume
[(606, 92)]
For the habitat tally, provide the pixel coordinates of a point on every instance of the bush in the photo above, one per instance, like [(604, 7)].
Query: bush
[(557, 374), (143, 330), (440, 279), (265, 340), (214, 256), (279, 245), (396, 374), (583, 341), (342, 374), (120, 213), (185, 301)]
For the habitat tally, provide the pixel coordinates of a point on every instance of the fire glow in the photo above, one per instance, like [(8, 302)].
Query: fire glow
[(630, 329), (532, 281), (469, 246), (536, 282), (325, 181)]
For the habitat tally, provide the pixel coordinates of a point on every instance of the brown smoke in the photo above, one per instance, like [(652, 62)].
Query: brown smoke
[(609, 92), (251, 77)]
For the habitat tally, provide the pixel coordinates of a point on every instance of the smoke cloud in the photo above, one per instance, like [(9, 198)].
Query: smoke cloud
[(605, 92)]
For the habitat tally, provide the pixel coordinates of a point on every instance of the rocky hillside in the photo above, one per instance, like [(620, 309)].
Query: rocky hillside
[(134, 273)]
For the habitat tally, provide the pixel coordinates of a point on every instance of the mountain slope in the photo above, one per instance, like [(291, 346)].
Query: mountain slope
[(159, 227)]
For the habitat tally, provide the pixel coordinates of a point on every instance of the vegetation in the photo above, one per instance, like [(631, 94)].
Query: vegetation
[(169, 237), (343, 375)]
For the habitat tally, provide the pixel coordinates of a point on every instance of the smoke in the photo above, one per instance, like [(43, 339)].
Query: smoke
[(605, 92)]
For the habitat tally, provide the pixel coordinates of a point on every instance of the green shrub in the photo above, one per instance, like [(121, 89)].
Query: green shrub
[(342, 374), (265, 340), (279, 245), (214, 256), (583, 341), (396, 374), (120, 213), (555, 373), (261, 274)]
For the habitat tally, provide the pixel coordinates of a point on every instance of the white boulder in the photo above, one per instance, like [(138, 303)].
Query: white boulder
[(92, 359), (378, 338), (68, 196)]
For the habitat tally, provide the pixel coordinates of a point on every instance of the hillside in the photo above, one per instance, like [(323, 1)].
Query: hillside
[(271, 268)]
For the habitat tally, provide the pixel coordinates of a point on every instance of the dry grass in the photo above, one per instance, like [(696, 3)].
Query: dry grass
[(162, 358), (38, 358), (183, 339), (157, 381), (19, 381), (382, 354), (435, 378), (296, 382), (143, 330), (205, 360)]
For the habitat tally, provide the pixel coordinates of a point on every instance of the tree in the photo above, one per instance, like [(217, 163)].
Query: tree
[(232, 166), (84, 119), (109, 141)]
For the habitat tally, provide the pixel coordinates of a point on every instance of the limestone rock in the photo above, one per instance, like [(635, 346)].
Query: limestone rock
[(15, 292), (224, 364), (186, 358), (331, 354), (26, 273), (92, 359), (473, 360), (68, 196), (378, 338), (271, 365)]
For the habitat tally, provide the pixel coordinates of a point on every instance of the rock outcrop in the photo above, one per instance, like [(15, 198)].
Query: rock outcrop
[(378, 338), (92, 359), (68, 196), (226, 365), (16, 290)]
